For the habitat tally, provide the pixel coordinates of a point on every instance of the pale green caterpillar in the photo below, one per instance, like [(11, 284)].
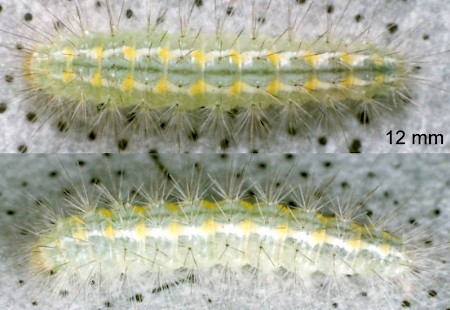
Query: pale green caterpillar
[(198, 235), (196, 82), (155, 70), (235, 232)]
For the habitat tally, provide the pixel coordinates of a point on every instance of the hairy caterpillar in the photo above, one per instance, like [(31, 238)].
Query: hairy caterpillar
[(202, 82), (96, 251)]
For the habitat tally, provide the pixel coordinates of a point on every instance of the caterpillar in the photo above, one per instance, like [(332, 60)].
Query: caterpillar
[(238, 241), (200, 234), (206, 84)]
